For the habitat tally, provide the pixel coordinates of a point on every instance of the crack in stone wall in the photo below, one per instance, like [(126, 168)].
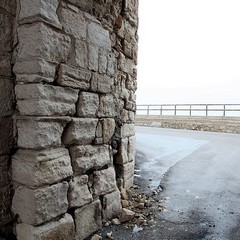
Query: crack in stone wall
[(75, 72)]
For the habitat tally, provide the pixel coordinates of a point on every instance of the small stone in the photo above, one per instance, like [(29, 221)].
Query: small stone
[(140, 206), (125, 203), (124, 194), (116, 221), (109, 235), (96, 237), (126, 215)]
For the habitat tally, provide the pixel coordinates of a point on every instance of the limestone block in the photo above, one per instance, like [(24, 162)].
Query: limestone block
[(6, 139), (61, 229), (83, 4), (9, 5), (89, 157), (125, 64), (32, 71), (5, 216), (88, 104), (131, 149), (88, 219), (36, 168), (128, 174), (127, 130), (5, 65), (74, 77), (5, 32), (74, 23), (93, 57), (106, 106), (104, 181), (79, 194), (4, 168), (98, 36), (39, 10), (35, 206), (81, 54), (41, 41), (111, 64), (123, 153), (101, 83), (80, 131), (42, 100), (102, 60), (6, 97), (37, 133), (108, 129), (112, 207)]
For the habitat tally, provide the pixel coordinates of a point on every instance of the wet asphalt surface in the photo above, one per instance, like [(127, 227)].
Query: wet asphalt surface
[(199, 173)]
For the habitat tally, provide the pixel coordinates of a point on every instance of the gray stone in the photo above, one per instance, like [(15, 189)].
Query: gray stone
[(89, 157), (111, 64), (42, 100), (74, 23), (61, 229), (80, 131), (32, 71), (5, 65), (6, 140), (6, 97), (83, 4), (131, 149), (40, 205), (101, 83), (9, 5), (107, 106), (37, 133), (127, 130), (74, 77), (40, 10), (5, 32), (93, 57), (88, 104), (36, 168), (104, 181), (5, 216), (4, 168), (112, 207), (81, 54), (79, 194), (41, 41), (88, 219), (108, 129), (102, 60), (126, 215), (98, 36), (128, 174)]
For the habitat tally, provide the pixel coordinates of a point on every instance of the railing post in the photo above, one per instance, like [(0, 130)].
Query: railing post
[(206, 110), (175, 110), (224, 110), (161, 110), (147, 109), (190, 112)]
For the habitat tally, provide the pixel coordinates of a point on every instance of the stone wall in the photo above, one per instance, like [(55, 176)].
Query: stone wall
[(75, 81)]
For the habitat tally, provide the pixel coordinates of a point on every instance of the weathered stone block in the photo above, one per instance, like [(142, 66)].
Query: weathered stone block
[(5, 32), (6, 140), (104, 181), (111, 64), (80, 131), (89, 157), (73, 77), (108, 129), (4, 168), (37, 133), (6, 97), (5, 65), (42, 100), (81, 54), (127, 130), (107, 106), (101, 83), (128, 174), (32, 71), (79, 194), (98, 36), (9, 5), (88, 219), (41, 41), (5, 216), (83, 4), (131, 148), (36, 168), (74, 23), (92, 57), (88, 104), (40, 205), (112, 207), (102, 60), (61, 229), (41, 10)]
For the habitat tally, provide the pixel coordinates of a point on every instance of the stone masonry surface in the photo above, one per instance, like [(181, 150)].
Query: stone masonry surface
[(67, 106)]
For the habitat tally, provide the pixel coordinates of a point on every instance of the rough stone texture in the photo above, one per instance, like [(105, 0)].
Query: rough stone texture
[(41, 41), (127, 173), (6, 140), (101, 83), (80, 131), (79, 194), (5, 214), (33, 71), (37, 206), (104, 181), (126, 215), (89, 157), (41, 10), (61, 229), (107, 106), (111, 206), (74, 77), (127, 130), (108, 129), (4, 168), (6, 97), (36, 168), (44, 100), (38, 133), (88, 219), (88, 104)]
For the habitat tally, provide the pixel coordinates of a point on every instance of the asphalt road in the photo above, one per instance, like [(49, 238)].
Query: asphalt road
[(200, 176)]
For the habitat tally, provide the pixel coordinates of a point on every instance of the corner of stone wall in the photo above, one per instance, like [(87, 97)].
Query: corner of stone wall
[(75, 104)]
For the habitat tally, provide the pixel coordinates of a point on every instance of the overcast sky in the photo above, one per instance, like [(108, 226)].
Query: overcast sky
[(189, 51)]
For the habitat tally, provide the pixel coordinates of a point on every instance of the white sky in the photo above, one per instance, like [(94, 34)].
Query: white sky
[(189, 51)]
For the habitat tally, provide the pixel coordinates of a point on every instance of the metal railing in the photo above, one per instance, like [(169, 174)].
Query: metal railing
[(189, 109)]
